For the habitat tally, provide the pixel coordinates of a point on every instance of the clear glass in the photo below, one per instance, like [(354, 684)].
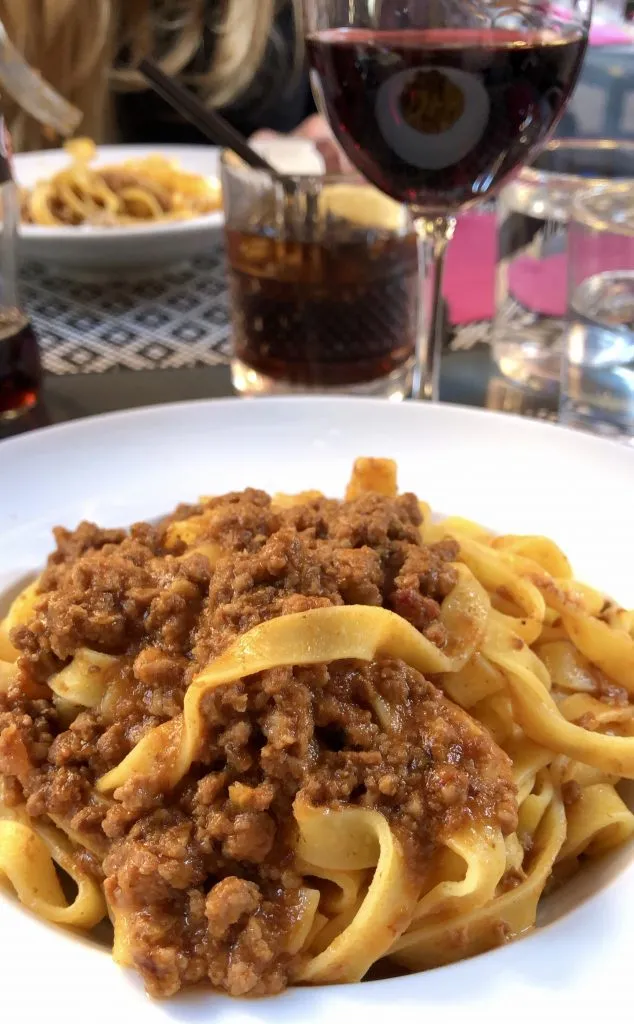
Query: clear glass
[(437, 103), (597, 384), (609, 12), (532, 269), (323, 285), (504, 396)]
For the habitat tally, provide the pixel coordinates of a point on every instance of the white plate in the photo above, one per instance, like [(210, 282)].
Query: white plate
[(89, 249), (515, 475)]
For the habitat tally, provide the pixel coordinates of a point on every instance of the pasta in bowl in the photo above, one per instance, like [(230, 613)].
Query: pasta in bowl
[(139, 191), (278, 740), (101, 207)]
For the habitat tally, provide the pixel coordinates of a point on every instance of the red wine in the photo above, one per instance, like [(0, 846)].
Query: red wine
[(20, 369), (438, 118)]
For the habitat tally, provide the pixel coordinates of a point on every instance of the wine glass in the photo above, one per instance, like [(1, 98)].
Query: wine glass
[(437, 102)]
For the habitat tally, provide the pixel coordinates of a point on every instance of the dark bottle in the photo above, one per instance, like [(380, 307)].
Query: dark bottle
[(20, 367)]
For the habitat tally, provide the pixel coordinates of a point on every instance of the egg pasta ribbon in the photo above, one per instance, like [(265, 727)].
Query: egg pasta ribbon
[(318, 636), (509, 913), (542, 664), (28, 852)]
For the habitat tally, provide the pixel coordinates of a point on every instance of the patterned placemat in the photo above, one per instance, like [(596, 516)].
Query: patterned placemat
[(173, 320), (179, 320)]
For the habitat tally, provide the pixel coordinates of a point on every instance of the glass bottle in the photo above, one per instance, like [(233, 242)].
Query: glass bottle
[(20, 364), (20, 367)]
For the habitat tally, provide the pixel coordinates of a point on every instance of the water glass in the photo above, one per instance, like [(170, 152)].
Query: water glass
[(597, 388), (532, 269), (323, 285)]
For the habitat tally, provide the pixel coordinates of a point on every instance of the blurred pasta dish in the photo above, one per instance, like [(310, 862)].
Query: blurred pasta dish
[(148, 190), (276, 740)]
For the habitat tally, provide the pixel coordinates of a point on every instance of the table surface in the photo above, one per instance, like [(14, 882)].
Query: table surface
[(468, 378), (178, 320), (111, 345)]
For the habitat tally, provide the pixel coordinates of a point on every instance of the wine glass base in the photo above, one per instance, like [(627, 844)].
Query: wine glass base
[(395, 386)]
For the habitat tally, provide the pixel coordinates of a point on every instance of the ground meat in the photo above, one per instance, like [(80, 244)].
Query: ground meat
[(14, 754), (204, 874), (227, 902), (87, 537), (571, 792), (113, 599), (421, 582)]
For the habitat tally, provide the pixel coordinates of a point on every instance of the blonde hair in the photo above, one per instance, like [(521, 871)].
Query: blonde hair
[(75, 45)]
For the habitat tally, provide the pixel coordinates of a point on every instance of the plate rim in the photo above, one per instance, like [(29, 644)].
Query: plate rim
[(480, 986), (532, 423)]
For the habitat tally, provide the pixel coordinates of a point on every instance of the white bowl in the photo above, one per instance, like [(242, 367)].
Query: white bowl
[(88, 249), (514, 475)]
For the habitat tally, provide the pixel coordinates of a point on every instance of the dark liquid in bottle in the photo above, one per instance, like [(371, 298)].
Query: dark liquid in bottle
[(20, 367), (323, 314), (439, 117)]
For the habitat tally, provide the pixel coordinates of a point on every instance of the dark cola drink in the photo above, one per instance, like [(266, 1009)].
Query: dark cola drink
[(328, 301), (321, 315), (20, 367)]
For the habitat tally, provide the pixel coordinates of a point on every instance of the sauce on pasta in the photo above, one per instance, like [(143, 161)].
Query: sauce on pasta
[(279, 740)]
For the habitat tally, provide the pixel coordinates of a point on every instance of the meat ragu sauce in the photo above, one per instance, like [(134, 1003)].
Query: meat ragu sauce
[(205, 872)]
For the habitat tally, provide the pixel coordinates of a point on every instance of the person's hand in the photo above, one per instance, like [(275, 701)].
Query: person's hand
[(318, 130)]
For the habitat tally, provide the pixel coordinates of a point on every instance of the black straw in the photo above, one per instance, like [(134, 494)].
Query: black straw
[(208, 121)]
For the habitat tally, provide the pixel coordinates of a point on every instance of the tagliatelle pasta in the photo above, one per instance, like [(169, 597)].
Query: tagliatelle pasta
[(226, 717), (139, 191), (307, 638)]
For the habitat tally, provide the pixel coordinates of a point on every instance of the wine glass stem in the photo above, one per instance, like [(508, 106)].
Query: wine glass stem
[(433, 235)]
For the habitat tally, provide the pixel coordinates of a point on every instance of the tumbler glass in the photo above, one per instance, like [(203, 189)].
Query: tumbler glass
[(323, 285)]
